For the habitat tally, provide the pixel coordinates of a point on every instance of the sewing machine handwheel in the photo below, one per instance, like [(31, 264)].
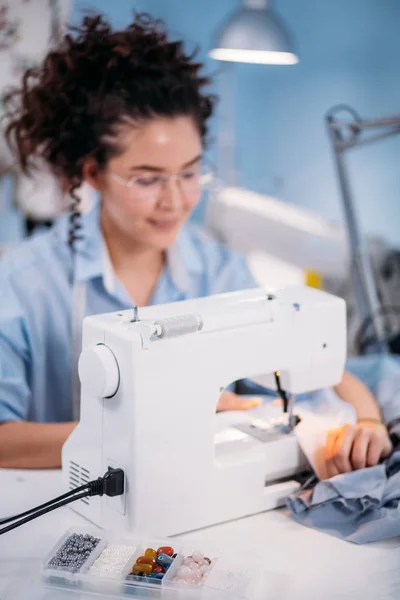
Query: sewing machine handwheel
[(98, 371)]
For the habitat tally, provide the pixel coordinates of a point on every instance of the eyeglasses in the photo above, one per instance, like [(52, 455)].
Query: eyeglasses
[(149, 186)]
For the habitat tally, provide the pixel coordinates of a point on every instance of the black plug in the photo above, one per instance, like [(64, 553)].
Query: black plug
[(111, 484), (114, 482)]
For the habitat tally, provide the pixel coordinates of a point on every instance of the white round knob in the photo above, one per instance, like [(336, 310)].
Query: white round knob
[(98, 371)]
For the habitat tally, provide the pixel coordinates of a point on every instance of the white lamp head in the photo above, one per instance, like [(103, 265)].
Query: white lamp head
[(254, 34)]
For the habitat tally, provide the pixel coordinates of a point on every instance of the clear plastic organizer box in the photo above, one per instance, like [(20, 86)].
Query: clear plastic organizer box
[(100, 562)]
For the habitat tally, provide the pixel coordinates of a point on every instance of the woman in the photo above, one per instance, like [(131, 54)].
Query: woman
[(127, 113)]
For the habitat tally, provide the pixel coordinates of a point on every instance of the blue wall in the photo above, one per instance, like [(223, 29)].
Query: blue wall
[(349, 53)]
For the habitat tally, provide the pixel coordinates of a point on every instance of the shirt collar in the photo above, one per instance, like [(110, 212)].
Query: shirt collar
[(93, 260)]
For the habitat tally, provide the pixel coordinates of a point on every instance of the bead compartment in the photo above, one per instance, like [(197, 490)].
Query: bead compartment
[(112, 561), (109, 583), (74, 552), (61, 577), (150, 581), (194, 569)]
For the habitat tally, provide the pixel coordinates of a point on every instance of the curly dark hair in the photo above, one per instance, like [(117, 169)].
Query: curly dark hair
[(70, 107)]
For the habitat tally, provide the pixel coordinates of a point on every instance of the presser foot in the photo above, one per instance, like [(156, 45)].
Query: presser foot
[(268, 430)]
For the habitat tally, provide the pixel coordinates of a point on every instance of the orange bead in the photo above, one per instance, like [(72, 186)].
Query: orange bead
[(146, 569), (165, 550), (146, 560), (150, 552)]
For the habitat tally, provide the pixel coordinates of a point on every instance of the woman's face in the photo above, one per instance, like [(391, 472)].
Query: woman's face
[(161, 160)]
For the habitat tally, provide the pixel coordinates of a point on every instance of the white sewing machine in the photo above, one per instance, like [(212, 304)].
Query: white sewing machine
[(150, 386)]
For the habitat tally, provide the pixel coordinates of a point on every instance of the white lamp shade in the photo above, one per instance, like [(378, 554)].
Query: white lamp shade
[(254, 36)]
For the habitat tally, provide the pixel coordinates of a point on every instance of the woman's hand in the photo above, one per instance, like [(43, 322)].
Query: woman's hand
[(356, 446), (231, 401)]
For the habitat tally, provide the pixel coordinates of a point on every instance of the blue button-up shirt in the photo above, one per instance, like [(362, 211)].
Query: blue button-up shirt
[(36, 300)]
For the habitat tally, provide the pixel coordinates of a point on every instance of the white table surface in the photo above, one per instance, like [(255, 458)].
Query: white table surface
[(305, 563)]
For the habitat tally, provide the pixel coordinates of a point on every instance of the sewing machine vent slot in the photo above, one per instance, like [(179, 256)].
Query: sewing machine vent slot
[(78, 476)]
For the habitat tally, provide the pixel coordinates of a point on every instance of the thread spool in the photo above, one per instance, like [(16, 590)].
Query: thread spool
[(176, 326)]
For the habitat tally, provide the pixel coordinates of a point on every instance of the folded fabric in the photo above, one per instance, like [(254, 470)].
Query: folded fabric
[(360, 507)]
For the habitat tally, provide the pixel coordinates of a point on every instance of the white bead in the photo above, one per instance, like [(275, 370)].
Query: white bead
[(113, 559)]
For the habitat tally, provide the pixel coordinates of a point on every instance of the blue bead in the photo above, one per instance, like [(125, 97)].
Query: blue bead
[(164, 560)]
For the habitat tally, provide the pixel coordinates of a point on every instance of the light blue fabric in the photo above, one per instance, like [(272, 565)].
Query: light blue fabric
[(35, 307), (361, 506), (364, 505)]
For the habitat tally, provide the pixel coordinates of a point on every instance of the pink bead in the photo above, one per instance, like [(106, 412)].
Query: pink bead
[(184, 571), (196, 579), (197, 556), (204, 562), (188, 561), (193, 579), (194, 567), (189, 575)]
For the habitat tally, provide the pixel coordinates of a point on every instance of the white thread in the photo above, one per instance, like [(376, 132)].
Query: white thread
[(180, 325)]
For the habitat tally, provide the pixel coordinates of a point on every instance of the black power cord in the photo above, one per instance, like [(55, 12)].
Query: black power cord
[(45, 505), (44, 511), (111, 484)]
